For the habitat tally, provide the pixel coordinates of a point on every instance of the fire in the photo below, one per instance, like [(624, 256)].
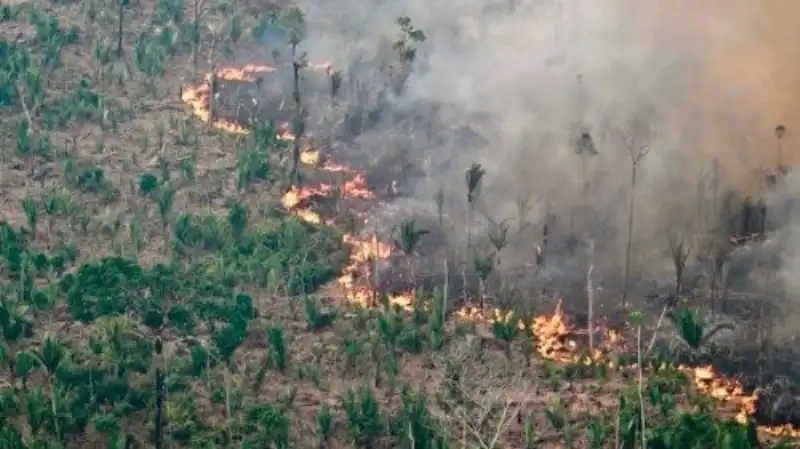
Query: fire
[(555, 336), (197, 97)]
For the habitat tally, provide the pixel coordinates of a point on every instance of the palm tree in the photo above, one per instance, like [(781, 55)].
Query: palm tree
[(585, 148), (484, 266), (695, 333), (523, 204), (408, 236), (473, 178), (164, 201), (31, 209), (15, 323), (115, 335), (680, 248), (439, 198), (227, 340), (498, 237), (49, 357), (237, 218), (505, 327)]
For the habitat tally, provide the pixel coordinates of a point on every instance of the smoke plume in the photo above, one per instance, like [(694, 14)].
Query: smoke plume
[(699, 86)]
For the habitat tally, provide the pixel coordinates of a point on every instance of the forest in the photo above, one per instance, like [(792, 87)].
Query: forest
[(214, 236)]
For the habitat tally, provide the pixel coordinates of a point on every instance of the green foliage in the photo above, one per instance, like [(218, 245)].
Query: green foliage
[(693, 330), (148, 183), (266, 427), (278, 350), (285, 255), (315, 318), (365, 421), (77, 360)]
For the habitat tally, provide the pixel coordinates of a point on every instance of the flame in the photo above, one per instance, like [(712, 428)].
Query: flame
[(555, 337)]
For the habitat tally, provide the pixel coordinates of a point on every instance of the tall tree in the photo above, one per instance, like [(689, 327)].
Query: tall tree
[(636, 135), (294, 22), (158, 360), (120, 21), (498, 237), (406, 47), (473, 178), (407, 237), (585, 149)]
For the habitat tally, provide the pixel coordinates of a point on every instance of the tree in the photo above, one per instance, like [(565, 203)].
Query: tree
[(636, 136), (49, 357), (505, 327), (498, 237), (31, 209), (680, 247), (196, 34), (484, 266), (590, 291), (115, 335), (694, 332), (165, 199), (294, 22), (523, 204), (237, 218), (227, 341), (15, 323), (406, 241), (780, 133), (158, 360), (406, 49), (473, 178), (585, 149), (438, 199), (120, 19)]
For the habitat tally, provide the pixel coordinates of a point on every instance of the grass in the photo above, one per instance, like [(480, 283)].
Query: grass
[(155, 293)]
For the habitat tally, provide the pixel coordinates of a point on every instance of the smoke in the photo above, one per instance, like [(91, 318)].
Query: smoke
[(705, 82)]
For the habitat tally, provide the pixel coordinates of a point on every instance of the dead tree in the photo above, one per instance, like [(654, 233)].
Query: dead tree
[(636, 136)]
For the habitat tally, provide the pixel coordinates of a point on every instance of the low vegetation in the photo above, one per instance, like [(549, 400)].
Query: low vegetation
[(155, 293)]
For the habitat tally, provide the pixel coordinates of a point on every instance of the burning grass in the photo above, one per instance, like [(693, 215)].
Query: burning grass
[(555, 338)]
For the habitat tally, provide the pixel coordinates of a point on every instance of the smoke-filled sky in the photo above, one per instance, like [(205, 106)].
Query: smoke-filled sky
[(712, 79)]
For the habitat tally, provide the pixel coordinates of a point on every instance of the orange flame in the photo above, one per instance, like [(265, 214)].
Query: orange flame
[(554, 335)]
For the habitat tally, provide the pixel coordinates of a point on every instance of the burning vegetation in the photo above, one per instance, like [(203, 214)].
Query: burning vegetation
[(555, 338), (409, 248)]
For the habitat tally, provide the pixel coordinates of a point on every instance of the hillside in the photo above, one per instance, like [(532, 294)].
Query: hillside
[(185, 263)]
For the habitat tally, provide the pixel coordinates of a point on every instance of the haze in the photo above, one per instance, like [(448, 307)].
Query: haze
[(710, 79)]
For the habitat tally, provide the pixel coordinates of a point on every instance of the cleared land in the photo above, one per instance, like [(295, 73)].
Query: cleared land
[(175, 281)]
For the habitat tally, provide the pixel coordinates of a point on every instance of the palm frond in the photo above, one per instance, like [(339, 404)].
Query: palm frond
[(473, 178)]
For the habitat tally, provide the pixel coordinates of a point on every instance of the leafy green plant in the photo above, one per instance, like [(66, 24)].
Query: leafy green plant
[(364, 418), (693, 331), (278, 350), (505, 328), (315, 318)]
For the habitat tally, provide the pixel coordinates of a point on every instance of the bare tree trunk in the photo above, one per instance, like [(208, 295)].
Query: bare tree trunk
[(641, 383), (227, 375), (295, 173), (375, 279), (119, 31), (590, 292), (464, 296), (198, 5), (629, 242), (211, 93), (445, 290)]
